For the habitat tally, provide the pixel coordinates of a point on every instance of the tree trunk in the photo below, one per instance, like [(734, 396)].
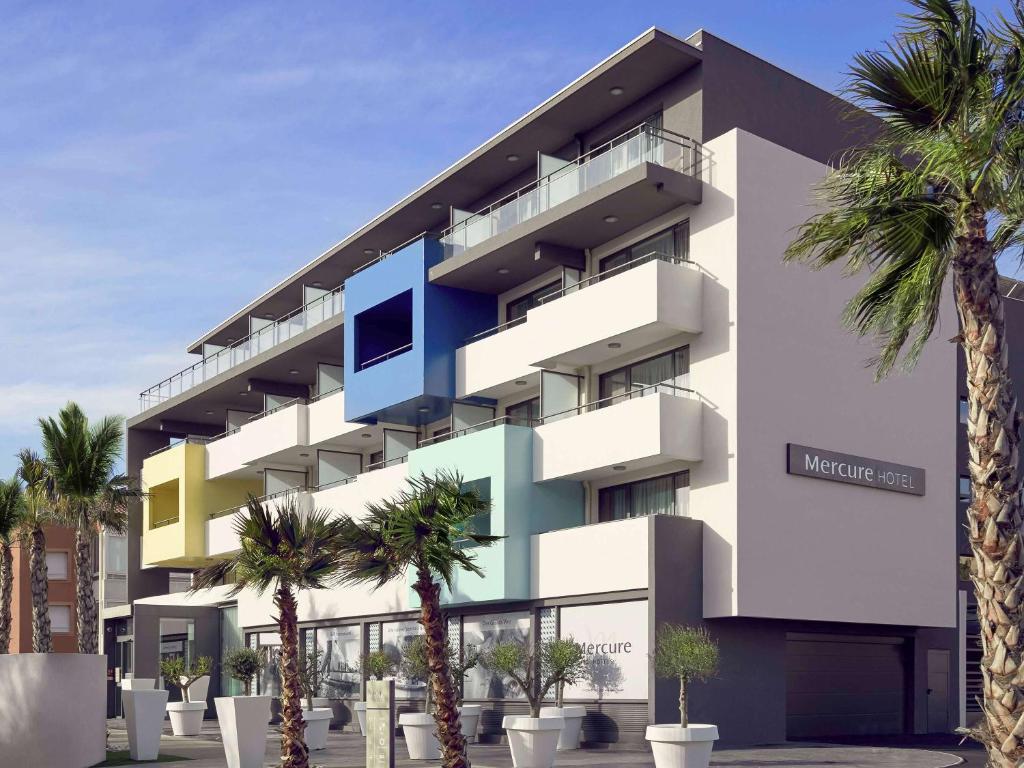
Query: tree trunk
[(446, 710), (6, 594), (294, 753), (994, 514), (684, 714), (87, 622), (42, 640)]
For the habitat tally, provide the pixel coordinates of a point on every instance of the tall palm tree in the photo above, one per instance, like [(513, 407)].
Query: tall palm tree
[(11, 505), (38, 511), (427, 529), (81, 460), (936, 199), (285, 551)]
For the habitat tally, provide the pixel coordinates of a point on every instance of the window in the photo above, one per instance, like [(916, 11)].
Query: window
[(60, 618), (480, 523), (383, 331), (674, 242), (116, 553), (57, 566), (964, 489), (526, 411), (665, 495), (517, 308), (964, 410), (376, 457), (668, 368)]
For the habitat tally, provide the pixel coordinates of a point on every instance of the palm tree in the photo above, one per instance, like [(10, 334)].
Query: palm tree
[(937, 197), (81, 459), (427, 529), (37, 512), (11, 504), (286, 551)]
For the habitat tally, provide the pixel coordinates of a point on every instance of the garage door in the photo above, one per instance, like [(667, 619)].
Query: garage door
[(838, 685)]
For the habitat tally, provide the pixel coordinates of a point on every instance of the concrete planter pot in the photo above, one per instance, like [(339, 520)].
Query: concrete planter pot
[(469, 716), (243, 728), (52, 710), (360, 708), (138, 684), (144, 719), (533, 741), (198, 691), (573, 728), (318, 725), (420, 736), (677, 747), (186, 717)]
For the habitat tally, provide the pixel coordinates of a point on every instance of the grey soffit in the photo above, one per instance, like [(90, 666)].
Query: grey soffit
[(643, 65), (633, 197)]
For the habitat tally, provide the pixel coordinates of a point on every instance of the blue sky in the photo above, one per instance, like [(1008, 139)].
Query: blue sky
[(161, 163)]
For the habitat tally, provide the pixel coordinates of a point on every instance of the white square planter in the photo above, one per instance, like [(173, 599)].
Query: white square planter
[(533, 741), (469, 716), (318, 725), (144, 718), (243, 728), (572, 730), (420, 731), (199, 689)]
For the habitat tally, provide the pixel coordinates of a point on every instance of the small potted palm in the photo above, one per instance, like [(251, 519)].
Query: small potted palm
[(243, 719), (685, 654), (419, 727), (186, 715), (375, 665), (317, 715), (533, 740), (469, 714), (568, 656)]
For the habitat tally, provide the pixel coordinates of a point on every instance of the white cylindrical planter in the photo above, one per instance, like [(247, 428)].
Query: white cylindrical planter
[(420, 736), (138, 683), (144, 719), (677, 747), (572, 730), (243, 728), (199, 689), (186, 717), (318, 725), (360, 708), (532, 740), (469, 716)]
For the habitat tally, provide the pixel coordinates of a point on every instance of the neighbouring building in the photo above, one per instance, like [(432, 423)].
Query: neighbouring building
[(60, 587), (588, 317)]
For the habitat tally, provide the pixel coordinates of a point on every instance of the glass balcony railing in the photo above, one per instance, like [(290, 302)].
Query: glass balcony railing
[(291, 325), (645, 143)]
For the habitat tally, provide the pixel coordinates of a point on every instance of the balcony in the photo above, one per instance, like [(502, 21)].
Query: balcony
[(327, 418), (635, 177), (221, 536), (276, 434), (281, 330), (647, 427), (350, 497), (642, 302)]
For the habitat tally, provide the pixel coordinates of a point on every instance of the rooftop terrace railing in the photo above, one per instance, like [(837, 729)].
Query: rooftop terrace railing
[(644, 143), (284, 328)]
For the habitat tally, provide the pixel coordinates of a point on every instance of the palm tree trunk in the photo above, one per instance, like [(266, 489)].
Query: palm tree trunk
[(42, 640), (294, 753), (87, 620), (6, 594), (994, 514), (446, 710)]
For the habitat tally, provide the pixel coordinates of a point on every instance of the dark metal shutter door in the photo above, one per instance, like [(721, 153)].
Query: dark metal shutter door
[(844, 686)]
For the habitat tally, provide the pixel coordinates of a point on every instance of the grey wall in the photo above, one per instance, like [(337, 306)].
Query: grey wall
[(147, 639)]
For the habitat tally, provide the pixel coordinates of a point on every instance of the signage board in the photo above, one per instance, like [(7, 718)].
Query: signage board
[(855, 470), (615, 647), (380, 724)]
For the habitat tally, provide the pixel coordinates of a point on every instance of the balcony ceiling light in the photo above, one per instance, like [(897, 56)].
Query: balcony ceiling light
[(243, 394), (437, 206), (209, 413), (504, 271), (230, 339), (610, 219), (316, 283), (521, 382), (294, 371), (304, 455), (614, 345), (366, 434), (619, 467), (616, 90), (512, 158), (368, 251), (268, 315), (423, 409)]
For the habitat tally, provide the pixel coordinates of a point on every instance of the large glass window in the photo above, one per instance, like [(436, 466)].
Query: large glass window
[(116, 554), (673, 242), (667, 368), (525, 412), (57, 566), (517, 308), (665, 495), (339, 651)]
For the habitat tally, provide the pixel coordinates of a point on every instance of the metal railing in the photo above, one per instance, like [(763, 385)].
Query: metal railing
[(262, 499), (280, 330), (193, 439), (499, 421), (582, 285), (604, 402), (641, 144), (386, 356), (165, 523), (336, 483), (327, 393), (384, 254), (386, 463)]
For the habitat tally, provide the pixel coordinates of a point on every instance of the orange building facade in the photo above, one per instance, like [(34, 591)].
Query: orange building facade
[(60, 560)]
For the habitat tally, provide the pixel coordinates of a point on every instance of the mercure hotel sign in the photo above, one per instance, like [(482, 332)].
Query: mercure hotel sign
[(856, 470)]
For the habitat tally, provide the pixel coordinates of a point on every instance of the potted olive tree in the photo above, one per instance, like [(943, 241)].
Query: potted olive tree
[(534, 740), (375, 665), (684, 654), (566, 655), (186, 715), (469, 714), (419, 727), (312, 671), (243, 719)]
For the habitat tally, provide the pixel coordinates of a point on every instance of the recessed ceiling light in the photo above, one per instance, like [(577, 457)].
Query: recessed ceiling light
[(610, 219), (242, 394), (369, 251), (614, 345), (423, 409), (316, 283), (366, 434), (503, 271), (615, 90), (512, 158), (294, 371), (436, 206), (521, 382), (209, 413), (230, 339), (268, 315), (304, 455), (619, 467)]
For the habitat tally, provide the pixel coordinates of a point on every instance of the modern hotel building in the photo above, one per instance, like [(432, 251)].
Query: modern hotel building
[(589, 319)]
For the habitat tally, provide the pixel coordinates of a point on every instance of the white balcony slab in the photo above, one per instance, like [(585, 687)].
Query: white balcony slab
[(276, 436), (221, 536), (327, 420), (351, 498), (574, 561), (637, 433)]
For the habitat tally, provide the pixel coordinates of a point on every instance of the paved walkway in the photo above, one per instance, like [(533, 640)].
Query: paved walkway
[(346, 750)]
